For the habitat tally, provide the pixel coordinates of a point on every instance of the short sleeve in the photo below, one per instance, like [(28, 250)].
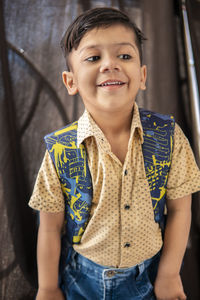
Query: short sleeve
[(47, 194), (184, 175)]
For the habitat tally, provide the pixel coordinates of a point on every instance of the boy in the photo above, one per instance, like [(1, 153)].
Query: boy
[(117, 255)]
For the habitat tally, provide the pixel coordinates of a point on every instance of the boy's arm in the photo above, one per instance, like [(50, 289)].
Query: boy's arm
[(48, 255), (168, 283)]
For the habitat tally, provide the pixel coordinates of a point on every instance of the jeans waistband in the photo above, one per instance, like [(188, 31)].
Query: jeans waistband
[(97, 270)]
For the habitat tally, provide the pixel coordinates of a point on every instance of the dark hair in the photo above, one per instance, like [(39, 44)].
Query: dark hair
[(95, 18)]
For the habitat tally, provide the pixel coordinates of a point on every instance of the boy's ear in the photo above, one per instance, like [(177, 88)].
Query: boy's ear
[(143, 77), (68, 80)]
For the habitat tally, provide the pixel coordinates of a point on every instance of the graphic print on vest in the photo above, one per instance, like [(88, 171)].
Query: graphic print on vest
[(157, 151), (75, 178)]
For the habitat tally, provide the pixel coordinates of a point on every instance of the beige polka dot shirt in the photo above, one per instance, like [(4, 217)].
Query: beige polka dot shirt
[(121, 231)]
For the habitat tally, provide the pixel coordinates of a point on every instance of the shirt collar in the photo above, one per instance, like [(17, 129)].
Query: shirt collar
[(136, 123), (87, 127)]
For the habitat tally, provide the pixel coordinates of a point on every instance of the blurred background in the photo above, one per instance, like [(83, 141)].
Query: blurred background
[(34, 102)]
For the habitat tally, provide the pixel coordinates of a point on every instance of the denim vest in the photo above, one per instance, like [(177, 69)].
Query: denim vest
[(73, 171)]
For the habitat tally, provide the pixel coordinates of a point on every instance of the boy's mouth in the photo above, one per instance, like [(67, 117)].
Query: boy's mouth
[(111, 82)]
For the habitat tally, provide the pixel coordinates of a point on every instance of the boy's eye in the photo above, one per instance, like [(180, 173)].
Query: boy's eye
[(124, 56), (93, 58)]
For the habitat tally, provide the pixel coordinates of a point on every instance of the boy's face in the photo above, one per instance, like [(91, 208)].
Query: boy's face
[(106, 70)]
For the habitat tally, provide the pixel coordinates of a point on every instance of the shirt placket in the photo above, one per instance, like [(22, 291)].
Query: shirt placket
[(125, 210)]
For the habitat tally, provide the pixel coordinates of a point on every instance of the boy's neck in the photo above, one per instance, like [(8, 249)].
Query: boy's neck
[(116, 126), (115, 123)]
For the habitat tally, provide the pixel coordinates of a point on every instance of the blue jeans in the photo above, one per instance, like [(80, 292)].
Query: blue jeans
[(86, 280)]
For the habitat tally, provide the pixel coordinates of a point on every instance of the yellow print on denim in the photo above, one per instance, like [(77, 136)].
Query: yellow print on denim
[(70, 164), (158, 150)]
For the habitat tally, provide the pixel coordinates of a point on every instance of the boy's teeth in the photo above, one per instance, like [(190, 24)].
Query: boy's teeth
[(111, 83)]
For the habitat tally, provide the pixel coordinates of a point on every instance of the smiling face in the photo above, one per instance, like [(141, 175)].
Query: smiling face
[(106, 70)]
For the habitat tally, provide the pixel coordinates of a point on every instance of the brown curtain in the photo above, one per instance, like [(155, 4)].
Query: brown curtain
[(33, 102)]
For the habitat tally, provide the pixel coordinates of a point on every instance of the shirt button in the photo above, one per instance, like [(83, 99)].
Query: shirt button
[(126, 206), (126, 245), (125, 172)]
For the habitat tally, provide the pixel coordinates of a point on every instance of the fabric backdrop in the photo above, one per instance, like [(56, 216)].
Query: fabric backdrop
[(34, 102)]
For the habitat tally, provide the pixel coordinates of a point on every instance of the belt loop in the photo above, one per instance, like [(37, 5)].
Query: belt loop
[(141, 268)]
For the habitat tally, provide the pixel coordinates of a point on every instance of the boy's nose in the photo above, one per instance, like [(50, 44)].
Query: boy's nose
[(109, 65)]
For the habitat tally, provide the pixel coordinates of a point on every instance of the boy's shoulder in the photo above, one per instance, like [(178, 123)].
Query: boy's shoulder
[(154, 123), (156, 126), (69, 129), (148, 115), (62, 138)]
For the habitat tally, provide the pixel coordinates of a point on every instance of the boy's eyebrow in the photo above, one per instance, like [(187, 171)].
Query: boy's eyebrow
[(117, 44)]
